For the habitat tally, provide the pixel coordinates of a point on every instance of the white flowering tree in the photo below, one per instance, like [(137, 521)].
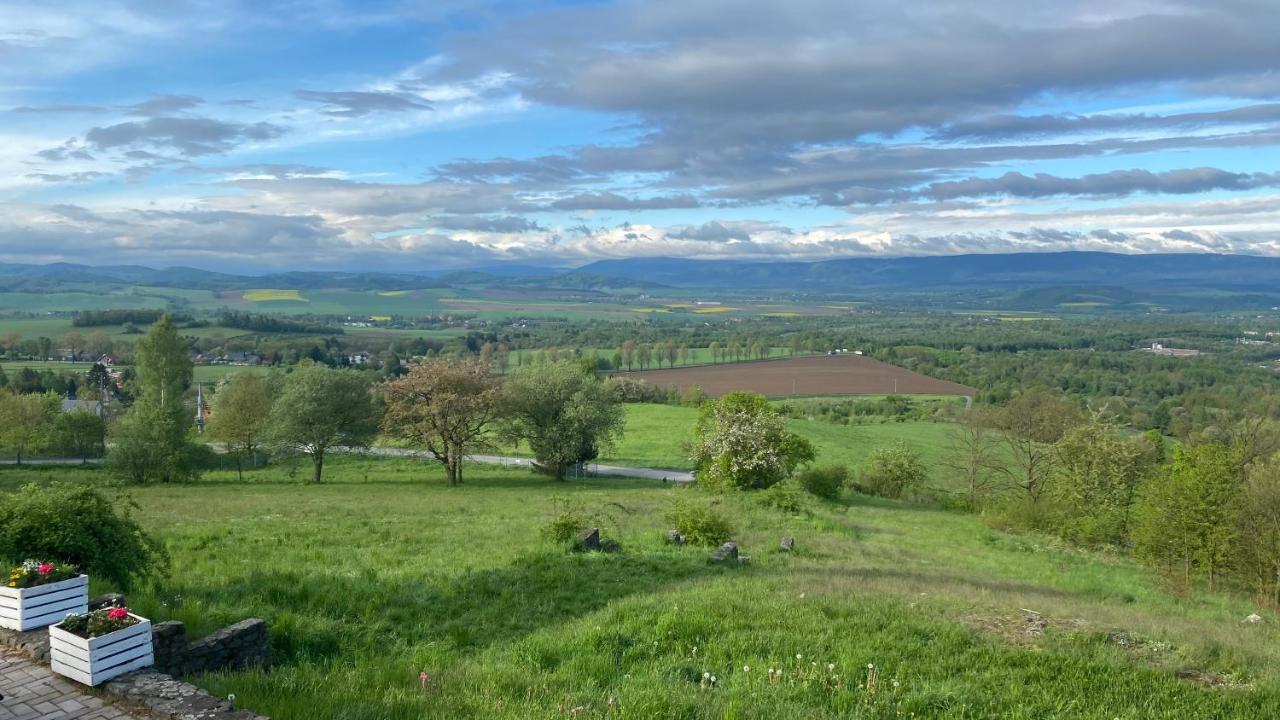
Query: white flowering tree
[(741, 443)]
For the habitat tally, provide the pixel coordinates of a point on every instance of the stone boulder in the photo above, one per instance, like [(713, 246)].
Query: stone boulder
[(726, 552), (589, 539)]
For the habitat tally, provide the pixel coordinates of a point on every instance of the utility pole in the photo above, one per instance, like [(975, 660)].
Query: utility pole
[(200, 409)]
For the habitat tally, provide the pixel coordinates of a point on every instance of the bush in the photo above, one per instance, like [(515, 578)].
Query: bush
[(785, 496), (79, 525), (631, 390), (892, 471), (571, 520), (700, 523), (827, 481)]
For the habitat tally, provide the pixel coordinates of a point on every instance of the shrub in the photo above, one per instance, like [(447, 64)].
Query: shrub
[(77, 524), (631, 390), (741, 443), (693, 397), (571, 520), (827, 481), (892, 471), (785, 496), (700, 523)]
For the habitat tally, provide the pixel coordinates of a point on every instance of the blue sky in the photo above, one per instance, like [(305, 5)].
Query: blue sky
[(322, 134)]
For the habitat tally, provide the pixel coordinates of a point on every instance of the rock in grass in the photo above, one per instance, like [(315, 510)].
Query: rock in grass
[(674, 537), (788, 543), (727, 551), (589, 539), (109, 600)]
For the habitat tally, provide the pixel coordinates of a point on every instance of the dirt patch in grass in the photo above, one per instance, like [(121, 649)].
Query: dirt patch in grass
[(823, 375)]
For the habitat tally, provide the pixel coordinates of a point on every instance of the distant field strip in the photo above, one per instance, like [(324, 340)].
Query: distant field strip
[(825, 375), (270, 295)]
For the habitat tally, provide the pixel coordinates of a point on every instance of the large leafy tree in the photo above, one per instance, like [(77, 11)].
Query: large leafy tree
[(320, 408), (25, 421), (741, 443), (79, 433), (1030, 426), (153, 442), (565, 414), (1098, 476), (1187, 521), (971, 456), (1258, 558), (446, 406), (241, 407)]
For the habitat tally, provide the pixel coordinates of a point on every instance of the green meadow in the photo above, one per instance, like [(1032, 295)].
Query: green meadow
[(658, 435), (884, 610)]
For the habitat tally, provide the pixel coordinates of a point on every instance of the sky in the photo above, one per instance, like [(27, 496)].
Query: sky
[(411, 135)]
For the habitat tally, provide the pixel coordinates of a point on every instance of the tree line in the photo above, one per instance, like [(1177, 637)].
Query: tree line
[(451, 407)]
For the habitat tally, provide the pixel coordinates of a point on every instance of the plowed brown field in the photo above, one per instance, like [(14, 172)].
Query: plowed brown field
[(823, 375)]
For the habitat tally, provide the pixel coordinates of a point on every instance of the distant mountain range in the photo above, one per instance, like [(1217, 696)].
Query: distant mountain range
[(1145, 274), (1243, 273)]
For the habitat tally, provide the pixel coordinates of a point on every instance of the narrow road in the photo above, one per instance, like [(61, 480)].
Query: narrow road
[(593, 469), (676, 476)]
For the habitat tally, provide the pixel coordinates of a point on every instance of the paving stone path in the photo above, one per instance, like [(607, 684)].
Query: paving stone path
[(33, 692)]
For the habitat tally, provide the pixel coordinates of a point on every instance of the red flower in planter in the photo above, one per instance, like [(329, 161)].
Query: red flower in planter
[(118, 613), (45, 568)]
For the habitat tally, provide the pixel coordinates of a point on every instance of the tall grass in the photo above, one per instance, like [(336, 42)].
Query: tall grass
[(384, 571)]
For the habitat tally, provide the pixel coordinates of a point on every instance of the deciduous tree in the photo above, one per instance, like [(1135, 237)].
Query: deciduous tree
[(25, 421), (741, 443), (320, 408), (153, 441), (567, 416), (1030, 425), (240, 410), (971, 456), (446, 406)]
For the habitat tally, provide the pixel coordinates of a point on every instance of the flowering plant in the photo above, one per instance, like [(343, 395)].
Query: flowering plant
[(33, 573), (99, 622)]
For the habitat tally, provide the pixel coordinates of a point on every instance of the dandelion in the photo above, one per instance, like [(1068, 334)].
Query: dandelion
[(746, 668), (799, 656), (831, 666), (706, 675)]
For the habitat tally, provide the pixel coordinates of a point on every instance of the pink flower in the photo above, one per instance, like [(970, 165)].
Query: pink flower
[(45, 569), (118, 613)]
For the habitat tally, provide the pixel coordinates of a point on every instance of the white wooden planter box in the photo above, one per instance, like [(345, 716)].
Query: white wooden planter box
[(95, 660), (36, 607)]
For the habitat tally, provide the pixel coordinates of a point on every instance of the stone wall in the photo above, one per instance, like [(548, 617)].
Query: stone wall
[(235, 647)]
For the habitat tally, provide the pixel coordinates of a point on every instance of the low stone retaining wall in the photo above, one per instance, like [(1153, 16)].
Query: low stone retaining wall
[(233, 647)]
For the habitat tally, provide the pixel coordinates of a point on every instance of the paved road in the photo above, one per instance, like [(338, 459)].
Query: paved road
[(50, 461), (34, 692), (675, 476)]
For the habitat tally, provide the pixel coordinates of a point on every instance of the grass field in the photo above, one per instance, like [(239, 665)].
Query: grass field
[(656, 436), (384, 572), (200, 373)]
